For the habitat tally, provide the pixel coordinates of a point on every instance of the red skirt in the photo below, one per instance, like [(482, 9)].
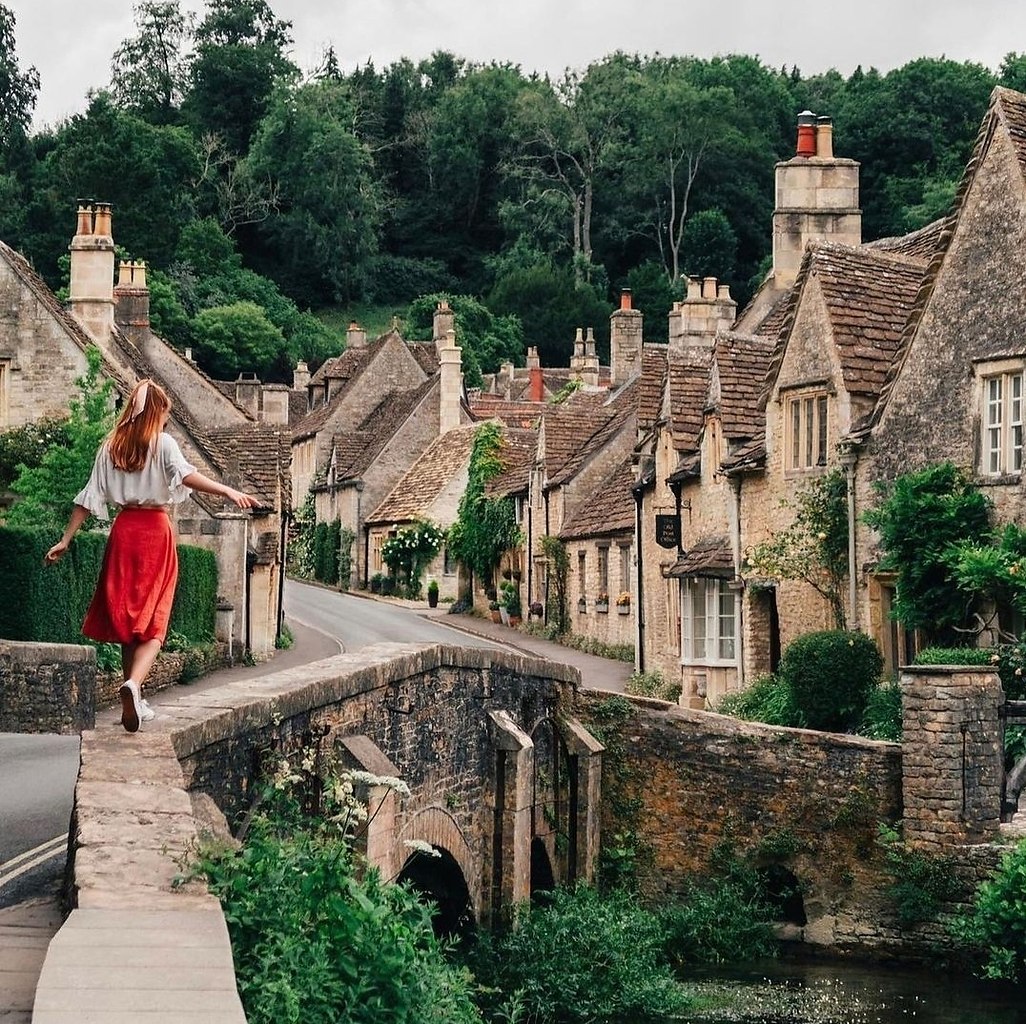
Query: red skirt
[(136, 587)]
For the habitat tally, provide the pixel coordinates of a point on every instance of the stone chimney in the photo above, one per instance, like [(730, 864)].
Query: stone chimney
[(132, 300), (817, 198), (504, 378), (450, 359), (625, 326), (356, 336), (590, 366), (708, 308), (577, 359), (535, 377), (300, 376), (247, 393), (91, 296), (444, 321), (274, 404)]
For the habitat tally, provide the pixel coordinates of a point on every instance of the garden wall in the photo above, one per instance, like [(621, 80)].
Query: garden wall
[(47, 688)]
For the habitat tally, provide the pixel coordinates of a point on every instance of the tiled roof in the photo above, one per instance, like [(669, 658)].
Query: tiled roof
[(868, 296), (774, 319), (521, 414), (568, 426), (653, 385), (741, 364), (916, 245), (1011, 107), (426, 354), (710, 557), (262, 453), (425, 480), (299, 406), (689, 467), (689, 386), (356, 450), (519, 448), (749, 457), (616, 413), (609, 510)]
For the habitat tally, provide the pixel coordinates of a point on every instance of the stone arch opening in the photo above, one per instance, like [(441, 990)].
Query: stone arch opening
[(784, 893), (555, 802), (543, 879), (440, 880)]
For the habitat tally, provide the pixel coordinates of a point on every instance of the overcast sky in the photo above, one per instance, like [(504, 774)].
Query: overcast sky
[(71, 42)]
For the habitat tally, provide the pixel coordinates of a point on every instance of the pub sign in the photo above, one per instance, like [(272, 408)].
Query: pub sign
[(667, 531)]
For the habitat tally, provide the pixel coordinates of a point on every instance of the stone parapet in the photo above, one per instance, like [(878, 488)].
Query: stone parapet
[(952, 750), (47, 687)]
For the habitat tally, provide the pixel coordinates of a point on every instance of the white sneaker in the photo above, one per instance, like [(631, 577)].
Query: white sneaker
[(131, 712), (146, 713)]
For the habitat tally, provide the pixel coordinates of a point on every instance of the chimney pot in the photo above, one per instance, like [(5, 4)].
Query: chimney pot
[(708, 287), (102, 222), (532, 357), (124, 274), (188, 353), (625, 298), (806, 134), (825, 138), (85, 218), (694, 289), (723, 292), (536, 384)]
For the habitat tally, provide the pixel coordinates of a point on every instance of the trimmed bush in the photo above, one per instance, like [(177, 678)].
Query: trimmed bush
[(769, 700), (831, 674), (954, 656), (48, 603)]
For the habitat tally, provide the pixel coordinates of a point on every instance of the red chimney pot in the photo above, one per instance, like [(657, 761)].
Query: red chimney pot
[(625, 299)]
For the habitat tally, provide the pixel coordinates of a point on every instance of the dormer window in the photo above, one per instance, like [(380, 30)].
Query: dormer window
[(1002, 423), (806, 431)]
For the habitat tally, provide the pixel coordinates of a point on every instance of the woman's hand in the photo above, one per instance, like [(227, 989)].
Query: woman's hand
[(55, 553), (241, 499)]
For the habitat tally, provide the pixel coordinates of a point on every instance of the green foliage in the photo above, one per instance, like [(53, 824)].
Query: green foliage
[(814, 548), (653, 684), (195, 604), (922, 883), (1008, 660), (325, 552), (346, 536), (314, 932), (954, 656), (509, 597), (709, 246), (831, 674), (47, 491), (302, 548), (27, 445), (921, 516), (653, 292), (48, 603), (485, 528), (410, 552), (768, 699), (236, 338), (558, 563), (18, 89), (882, 718), (996, 925), (584, 958), (992, 572)]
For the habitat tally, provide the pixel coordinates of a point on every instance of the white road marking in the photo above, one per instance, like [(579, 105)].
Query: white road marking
[(24, 862)]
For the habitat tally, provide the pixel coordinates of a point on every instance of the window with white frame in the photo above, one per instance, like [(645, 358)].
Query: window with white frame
[(806, 419), (1002, 423), (709, 621)]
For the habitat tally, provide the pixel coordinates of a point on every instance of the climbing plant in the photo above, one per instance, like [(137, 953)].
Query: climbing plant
[(921, 518), (558, 561), (301, 544), (485, 527), (346, 536), (814, 548), (409, 553)]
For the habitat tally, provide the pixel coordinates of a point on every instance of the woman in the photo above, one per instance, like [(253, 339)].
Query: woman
[(142, 470)]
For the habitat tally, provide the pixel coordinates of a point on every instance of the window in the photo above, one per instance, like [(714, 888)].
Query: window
[(582, 577), (5, 379), (376, 541), (806, 419), (603, 570), (625, 569), (709, 621), (1002, 423), (448, 563)]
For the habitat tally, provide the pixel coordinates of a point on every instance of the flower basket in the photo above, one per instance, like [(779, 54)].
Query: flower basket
[(602, 607), (624, 609)]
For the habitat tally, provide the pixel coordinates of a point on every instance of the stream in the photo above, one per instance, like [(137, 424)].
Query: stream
[(782, 992)]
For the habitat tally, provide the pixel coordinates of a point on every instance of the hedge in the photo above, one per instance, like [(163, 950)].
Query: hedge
[(48, 603)]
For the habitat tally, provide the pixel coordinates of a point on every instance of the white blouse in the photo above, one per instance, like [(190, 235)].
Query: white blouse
[(158, 483)]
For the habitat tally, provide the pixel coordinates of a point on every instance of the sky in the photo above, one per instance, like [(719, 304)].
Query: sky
[(70, 42)]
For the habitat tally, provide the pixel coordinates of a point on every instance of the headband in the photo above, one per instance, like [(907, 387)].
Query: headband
[(140, 400)]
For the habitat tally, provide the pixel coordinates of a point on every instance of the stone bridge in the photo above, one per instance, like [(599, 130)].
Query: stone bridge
[(504, 783)]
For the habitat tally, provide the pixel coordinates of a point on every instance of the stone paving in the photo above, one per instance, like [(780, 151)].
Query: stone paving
[(25, 934)]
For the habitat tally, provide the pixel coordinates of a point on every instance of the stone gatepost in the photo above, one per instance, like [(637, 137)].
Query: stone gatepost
[(951, 755)]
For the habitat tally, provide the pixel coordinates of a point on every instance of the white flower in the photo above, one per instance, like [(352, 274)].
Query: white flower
[(419, 846)]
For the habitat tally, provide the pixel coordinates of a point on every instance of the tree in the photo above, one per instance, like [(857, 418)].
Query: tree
[(236, 338), (18, 89), (709, 246), (814, 548), (149, 72), (47, 491), (240, 57), (325, 232)]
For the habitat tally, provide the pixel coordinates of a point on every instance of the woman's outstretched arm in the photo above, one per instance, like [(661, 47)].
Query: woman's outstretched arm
[(199, 482)]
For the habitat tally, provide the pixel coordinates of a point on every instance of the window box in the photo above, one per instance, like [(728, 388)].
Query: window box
[(602, 604), (623, 609)]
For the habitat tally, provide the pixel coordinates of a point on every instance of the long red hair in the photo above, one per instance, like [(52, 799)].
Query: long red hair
[(138, 425)]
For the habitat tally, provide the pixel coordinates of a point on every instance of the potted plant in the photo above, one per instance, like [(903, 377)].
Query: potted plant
[(375, 582), (623, 602), (493, 607), (536, 610), (602, 602), (432, 593)]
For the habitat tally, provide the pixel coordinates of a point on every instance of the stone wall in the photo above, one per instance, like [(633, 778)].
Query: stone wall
[(47, 687)]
